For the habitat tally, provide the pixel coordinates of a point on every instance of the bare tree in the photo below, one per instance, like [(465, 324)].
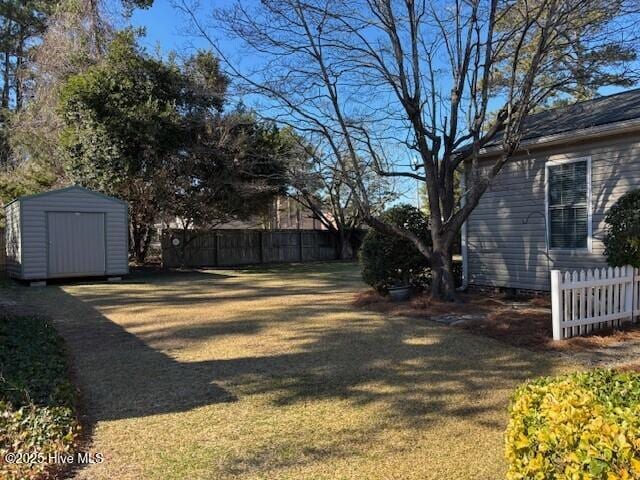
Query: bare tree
[(318, 183), (32, 158), (438, 80), (75, 38)]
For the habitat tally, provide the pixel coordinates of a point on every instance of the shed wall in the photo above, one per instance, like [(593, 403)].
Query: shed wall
[(506, 232), (12, 240), (34, 228)]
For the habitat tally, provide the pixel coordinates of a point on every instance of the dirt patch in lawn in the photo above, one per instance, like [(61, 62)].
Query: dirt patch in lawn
[(523, 322)]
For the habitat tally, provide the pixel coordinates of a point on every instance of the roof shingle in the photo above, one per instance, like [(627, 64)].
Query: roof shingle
[(589, 113)]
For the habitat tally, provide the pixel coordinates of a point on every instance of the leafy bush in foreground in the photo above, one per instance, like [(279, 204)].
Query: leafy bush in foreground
[(389, 260), (579, 426), (36, 397)]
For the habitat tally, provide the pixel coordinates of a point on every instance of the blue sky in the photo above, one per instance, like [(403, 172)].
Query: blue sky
[(165, 28)]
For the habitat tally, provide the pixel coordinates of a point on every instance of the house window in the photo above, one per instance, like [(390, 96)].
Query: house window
[(568, 204)]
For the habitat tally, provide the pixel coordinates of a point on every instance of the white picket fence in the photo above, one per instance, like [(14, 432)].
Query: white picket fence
[(594, 299)]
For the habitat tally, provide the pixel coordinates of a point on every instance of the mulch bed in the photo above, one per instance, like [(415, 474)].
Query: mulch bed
[(523, 322), (630, 367)]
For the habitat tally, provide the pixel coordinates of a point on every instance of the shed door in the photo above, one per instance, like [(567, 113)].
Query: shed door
[(76, 244)]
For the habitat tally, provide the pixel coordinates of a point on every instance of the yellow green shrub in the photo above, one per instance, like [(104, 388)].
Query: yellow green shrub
[(575, 427)]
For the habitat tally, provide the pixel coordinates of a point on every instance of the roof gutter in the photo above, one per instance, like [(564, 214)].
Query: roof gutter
[(560, 138)]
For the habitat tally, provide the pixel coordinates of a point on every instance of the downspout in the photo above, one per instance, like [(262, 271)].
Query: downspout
[(463, 234)]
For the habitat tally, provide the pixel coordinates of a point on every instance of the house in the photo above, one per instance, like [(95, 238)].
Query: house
[(546, 209)]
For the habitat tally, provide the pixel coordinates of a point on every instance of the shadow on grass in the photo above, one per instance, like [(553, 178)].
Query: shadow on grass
[(293, 373), (415, 367), (422, 374), (419, 382), (121, 376), (143, 275), (176, 288)]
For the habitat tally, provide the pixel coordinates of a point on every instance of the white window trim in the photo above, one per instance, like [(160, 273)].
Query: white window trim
[(553, 163)]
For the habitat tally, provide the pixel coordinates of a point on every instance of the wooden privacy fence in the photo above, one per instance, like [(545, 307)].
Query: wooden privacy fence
[(589, 300), (245, 247)]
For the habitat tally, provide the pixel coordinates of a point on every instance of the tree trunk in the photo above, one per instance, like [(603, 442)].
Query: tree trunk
[(188, 236), (17, 74), (6, 78), (345, 251), (140, 239), (443, 286)]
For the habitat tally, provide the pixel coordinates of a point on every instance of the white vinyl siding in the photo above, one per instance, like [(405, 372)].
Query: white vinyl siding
[(506, 241)]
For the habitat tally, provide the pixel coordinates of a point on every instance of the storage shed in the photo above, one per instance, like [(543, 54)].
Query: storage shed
[(72, 232)]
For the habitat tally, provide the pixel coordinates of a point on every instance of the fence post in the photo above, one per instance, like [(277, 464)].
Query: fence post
[(556, 307), (628, 292), (634, 293), (301, 246), (216, 249)]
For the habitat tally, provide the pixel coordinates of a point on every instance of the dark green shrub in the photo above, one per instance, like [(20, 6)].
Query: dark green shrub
[(584, 425), (622, 240), (388, 260), (36, 398)]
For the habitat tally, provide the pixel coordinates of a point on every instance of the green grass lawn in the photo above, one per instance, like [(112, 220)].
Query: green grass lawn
[(272, 373)]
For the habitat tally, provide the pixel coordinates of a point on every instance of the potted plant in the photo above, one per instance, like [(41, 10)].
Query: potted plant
[(401, 287)]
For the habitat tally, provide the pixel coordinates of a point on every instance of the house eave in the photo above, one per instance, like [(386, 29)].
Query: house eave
[(570, 136)]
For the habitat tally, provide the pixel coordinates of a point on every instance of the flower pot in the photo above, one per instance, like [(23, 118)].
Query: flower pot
[(398, 294)]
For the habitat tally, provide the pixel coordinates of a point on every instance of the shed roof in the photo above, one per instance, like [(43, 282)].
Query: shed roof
[(67, 189)]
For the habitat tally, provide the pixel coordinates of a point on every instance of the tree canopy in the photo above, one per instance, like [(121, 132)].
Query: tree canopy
[(121, 116), (154, 133)]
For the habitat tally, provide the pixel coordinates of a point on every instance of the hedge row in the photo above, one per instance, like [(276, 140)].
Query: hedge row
[(579, 426), (36, 396)]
